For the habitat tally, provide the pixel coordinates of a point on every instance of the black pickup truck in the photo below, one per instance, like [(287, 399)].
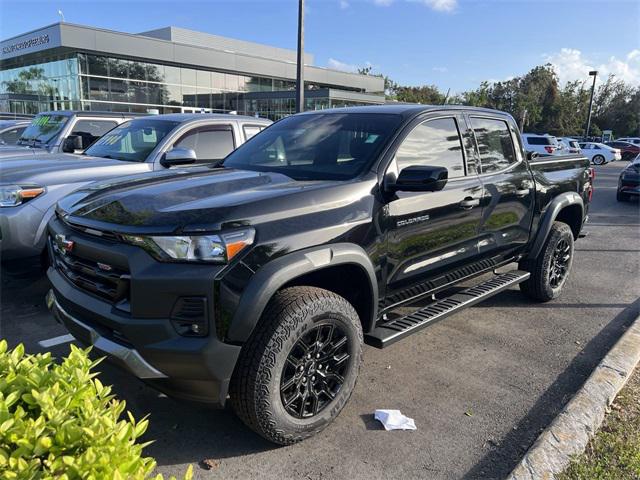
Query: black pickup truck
[(261, 278)]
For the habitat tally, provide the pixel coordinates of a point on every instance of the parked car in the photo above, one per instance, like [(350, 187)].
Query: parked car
[(542, 144), (259, 279), (628, 150), (599, 153), (629, 181), (63, 131), (634, 140), (10, 131), (30, 187), (569, 145)]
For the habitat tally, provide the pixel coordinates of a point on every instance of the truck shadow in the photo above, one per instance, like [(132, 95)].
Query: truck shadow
[(506, 454), (181, 431)]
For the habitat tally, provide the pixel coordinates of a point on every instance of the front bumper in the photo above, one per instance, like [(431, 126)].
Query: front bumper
[(128, 358), (138, 334), (22, 232)]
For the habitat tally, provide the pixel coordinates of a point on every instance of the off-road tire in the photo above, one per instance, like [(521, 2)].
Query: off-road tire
[(538, 286), (255, 386)]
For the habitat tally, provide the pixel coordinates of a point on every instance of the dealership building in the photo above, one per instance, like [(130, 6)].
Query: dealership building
[(67, 66)]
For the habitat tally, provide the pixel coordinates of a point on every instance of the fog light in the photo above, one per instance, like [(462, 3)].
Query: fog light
[(190, 317)]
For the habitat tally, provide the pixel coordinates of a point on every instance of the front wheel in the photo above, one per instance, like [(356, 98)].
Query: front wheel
[(621, 197), (598, 160), (550, 269), (298, 369)]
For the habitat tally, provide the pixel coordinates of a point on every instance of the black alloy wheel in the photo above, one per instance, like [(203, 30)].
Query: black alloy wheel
[(560, 261), (314, 371)]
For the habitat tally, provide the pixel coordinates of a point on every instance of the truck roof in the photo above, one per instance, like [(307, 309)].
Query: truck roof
[(184, 117), (406, 109), (91, 113)]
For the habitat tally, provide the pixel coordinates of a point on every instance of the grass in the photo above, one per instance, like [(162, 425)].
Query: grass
[(614, 452)]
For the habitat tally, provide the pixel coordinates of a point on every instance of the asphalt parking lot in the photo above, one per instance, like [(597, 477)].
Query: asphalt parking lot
[(480, 385)]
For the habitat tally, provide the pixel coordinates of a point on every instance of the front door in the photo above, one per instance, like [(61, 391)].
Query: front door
[(429, 234), (507, 200)]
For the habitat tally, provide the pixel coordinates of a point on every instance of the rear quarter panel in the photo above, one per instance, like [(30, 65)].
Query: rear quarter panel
[(554, 175)]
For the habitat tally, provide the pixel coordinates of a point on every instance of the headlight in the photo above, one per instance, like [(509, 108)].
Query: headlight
[(198, 248), (12, 195)]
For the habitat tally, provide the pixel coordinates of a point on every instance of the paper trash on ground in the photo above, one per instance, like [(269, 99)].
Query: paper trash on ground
[(394, 420)]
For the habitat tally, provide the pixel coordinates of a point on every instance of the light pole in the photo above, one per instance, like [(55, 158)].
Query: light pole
[(300, 66), (594, 74)]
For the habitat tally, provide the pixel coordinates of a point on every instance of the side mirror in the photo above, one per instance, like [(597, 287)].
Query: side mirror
[(420, 178), (72, 143), (178, 156), (532, 155)]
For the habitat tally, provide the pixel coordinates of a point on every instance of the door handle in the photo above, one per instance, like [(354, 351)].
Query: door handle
[(522, 193), (469, 203)]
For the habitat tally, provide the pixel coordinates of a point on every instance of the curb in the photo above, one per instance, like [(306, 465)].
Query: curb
[(578, 421)]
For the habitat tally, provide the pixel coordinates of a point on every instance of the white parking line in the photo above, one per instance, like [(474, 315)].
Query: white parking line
[(52, 342)]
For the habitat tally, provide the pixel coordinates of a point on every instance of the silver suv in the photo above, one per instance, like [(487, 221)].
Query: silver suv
[(30, 187)]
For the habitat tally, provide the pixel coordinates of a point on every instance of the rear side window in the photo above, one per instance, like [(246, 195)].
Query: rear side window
[(210, 144), (494, 144), (434, 142), (251, 130), (538, 140), (91, 130)]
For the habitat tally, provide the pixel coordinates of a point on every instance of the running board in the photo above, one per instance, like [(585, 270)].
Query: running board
[(391, 331)]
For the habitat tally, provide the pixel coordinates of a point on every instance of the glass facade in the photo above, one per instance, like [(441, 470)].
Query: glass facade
[(80, 81)]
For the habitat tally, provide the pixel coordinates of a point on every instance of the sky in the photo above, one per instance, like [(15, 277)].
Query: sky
[(454, 44)]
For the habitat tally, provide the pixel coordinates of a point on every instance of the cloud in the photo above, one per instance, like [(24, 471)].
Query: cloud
[(441, 5), (338, 65), (440, 69), (344, 4), (383, 3), (571, 64)]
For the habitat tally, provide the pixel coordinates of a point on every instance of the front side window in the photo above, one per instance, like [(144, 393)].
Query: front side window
[(132, 141), (43, 128), (210, 145), (329, 146), (10, 137), (91, 130), (495, 144), (434, 142)]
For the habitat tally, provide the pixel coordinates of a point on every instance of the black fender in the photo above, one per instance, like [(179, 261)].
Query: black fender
[(273, 275), (546, 222)]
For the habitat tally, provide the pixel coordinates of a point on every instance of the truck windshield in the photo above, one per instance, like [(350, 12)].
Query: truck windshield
[(328, 146), (42, 129), (131, 141)]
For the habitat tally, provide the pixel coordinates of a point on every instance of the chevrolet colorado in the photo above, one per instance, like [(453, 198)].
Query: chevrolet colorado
[(260, 279)]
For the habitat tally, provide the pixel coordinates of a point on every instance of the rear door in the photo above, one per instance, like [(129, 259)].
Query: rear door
[(430, 234), (508, 188)]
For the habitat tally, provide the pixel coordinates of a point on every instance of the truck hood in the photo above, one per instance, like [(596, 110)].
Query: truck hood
[(42, 169), (196, 199), (12, 151)]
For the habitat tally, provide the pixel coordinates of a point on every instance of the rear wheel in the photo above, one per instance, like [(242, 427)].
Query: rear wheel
[(298, 369), (550, 269), (598, 160)]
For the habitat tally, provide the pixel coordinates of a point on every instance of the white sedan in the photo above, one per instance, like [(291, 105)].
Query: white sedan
[(599, 153)]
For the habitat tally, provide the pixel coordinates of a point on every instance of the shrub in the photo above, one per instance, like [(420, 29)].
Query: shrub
[(58, 421)]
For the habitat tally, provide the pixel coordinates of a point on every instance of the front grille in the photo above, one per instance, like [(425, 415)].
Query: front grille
[(104, 281)]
